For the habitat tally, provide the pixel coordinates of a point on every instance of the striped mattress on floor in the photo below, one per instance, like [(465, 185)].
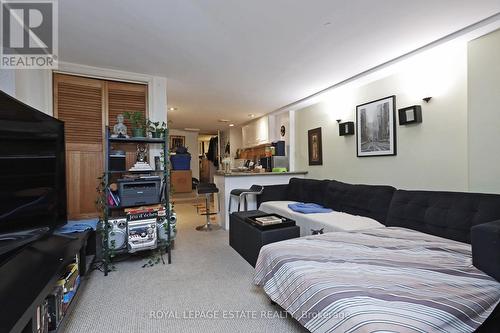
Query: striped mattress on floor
[(381, 280)]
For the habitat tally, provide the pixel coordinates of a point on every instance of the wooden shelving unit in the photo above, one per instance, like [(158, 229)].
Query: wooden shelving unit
[(108, 174)]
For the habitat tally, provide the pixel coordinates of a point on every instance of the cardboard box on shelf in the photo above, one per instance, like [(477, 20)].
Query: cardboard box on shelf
[(181, 181)]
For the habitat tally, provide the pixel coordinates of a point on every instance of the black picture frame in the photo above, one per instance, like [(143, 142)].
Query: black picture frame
[(346, 128), (315, 146), (376, 128), (177, 141)]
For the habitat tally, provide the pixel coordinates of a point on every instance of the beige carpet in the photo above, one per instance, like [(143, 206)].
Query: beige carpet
[(207, 288)]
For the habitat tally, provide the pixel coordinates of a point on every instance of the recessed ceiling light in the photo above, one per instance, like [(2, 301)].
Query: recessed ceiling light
[(172, 109), (191, 129), (231, 125), (251, 115), (224, 120)]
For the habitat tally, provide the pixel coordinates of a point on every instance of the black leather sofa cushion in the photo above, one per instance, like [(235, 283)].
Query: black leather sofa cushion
[(446, 214), (485, 240), (366, 200), (307, 190)]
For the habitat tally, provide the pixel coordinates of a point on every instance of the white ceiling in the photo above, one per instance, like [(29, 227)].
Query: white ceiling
[(230, 58)]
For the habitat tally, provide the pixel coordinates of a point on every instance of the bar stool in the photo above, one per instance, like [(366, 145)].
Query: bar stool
[(208, 189), (242, 193)]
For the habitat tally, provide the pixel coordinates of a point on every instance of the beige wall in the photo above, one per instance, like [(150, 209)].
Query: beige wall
[(431, 155), (235, 139), (484, 113)]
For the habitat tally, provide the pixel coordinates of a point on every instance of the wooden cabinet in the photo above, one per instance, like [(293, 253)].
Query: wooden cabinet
[(181, 181), (256, 133)]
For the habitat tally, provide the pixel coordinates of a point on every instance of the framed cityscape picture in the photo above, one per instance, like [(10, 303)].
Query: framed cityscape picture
[(315, 146), (177, 141), (376, 128)]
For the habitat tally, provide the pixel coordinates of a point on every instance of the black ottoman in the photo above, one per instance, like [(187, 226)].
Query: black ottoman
[(247, 239)]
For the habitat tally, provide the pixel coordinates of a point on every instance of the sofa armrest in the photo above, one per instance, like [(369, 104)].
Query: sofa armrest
[(273, 193), (485, 240)]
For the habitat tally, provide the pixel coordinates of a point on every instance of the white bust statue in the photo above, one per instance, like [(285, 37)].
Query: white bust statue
[(119, 130)]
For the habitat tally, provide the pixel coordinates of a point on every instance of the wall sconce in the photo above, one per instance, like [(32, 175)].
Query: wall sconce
[(410, 115), (427, 99), (346, 128)]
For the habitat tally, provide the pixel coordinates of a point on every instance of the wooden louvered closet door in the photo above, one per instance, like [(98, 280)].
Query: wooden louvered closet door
[(123, 97), (86, 106), (80, 103)]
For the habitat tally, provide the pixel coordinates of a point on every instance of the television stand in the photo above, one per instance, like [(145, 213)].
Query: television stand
[(30, 275)]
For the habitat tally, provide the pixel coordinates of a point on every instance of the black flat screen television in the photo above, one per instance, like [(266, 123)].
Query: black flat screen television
[(32, 168)]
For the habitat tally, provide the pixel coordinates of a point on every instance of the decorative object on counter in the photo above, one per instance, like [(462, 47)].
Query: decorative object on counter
[(346, 128), (315, 146), (156, 130), (119, 130), (226, 165), (376, 132), (139, 123), (177, 141), (410, 115)]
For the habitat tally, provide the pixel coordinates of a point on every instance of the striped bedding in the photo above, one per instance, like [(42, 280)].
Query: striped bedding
[(381, 280)]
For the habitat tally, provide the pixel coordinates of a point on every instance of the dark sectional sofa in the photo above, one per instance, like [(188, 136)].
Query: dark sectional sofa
[(472, 218)]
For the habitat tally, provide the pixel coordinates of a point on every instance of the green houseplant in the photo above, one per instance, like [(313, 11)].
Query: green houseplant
[(139, 123), (157, 130)]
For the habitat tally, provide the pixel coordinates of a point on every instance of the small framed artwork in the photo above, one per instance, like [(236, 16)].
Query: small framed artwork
[(346, 128), (410, 115), (177, 141), (315, 146), (376, 128)]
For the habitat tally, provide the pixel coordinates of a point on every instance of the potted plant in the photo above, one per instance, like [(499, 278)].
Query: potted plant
[(139, 123), (157, 130)]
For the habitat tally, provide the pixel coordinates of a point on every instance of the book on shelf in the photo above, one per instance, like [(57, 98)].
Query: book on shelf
[(143, 208), (147, 212), (115, 199), (110, 200)]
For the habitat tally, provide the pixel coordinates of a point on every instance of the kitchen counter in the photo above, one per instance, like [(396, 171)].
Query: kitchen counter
[(226, 182), (239, 174)]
